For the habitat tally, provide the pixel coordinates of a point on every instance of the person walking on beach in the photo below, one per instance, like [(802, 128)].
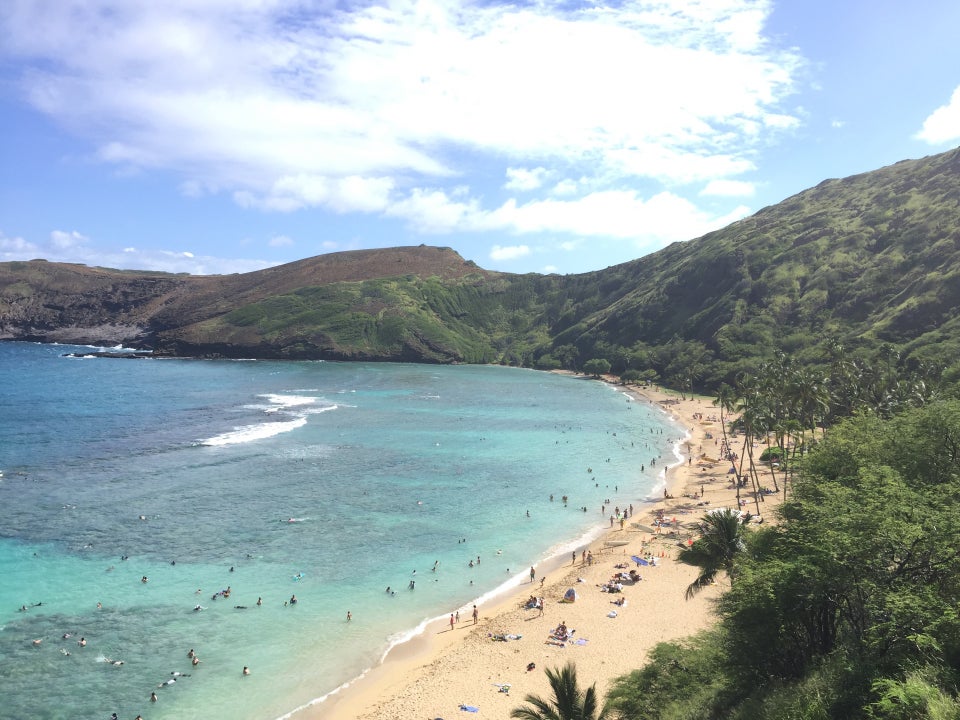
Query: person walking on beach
[(533, 573), (475, 614), (451, 622)]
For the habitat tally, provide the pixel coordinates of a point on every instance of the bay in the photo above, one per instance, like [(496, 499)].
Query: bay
[(326, 481)]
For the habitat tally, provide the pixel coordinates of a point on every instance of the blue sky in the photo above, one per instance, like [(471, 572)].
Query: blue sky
[(219, 136)]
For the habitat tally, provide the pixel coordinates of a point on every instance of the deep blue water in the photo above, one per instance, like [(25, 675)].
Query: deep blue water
[(193, 471)]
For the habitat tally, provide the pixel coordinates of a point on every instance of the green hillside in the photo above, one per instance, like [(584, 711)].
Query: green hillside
[(864, 263)]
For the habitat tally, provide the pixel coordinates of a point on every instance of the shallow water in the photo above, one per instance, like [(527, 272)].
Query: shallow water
[(193, 470)]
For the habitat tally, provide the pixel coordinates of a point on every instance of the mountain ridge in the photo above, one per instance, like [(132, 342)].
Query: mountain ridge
[(866, 260)]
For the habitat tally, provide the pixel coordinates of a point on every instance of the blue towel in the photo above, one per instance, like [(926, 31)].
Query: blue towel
[(470, 708)]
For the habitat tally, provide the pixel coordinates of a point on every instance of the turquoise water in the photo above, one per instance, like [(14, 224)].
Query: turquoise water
[(330, 481)]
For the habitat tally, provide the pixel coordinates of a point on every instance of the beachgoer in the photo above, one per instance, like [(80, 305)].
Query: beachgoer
[(348, 616), (533, 573), (82, 642), (451, 621), (259, 601), (190, 653), (293, 599), (195, 661), (246, 670), (475, 614), (153, 697)]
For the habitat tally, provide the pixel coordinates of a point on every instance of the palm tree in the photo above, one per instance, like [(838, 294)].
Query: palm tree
[(568, 702), (716, 549), (726, 400)]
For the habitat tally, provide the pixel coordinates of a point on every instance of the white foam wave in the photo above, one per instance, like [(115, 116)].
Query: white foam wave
[(289, 401), (318, 410), (249, 433)]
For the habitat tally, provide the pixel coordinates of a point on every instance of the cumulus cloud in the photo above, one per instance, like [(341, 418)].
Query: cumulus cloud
[(513, 252), (16, 248), (651, 222), (280, 241), (347, 107), (943, 125), (64, 240), (74, 247), (524, 179)]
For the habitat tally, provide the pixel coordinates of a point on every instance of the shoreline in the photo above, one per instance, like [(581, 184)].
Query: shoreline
[(440, 668)]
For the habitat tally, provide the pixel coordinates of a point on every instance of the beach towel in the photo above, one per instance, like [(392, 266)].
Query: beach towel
[(470, 708)]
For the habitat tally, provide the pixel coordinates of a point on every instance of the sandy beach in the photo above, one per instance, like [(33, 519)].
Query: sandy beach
[(466, 664)]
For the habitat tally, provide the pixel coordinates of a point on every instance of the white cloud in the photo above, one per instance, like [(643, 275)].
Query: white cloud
[(524, 179), (73, 247), (65, 240), (513, 252), (943, 124), (16, 248), (729, 188), (565, 187), (342, 195), (280, 241), (345, 107), (661, 219)]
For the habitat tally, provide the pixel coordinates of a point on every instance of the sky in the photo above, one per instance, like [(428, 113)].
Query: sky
[(224, 136)]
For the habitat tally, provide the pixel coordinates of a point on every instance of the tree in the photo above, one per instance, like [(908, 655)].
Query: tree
[(630, 376), (715, 550), (596, 367), (568, 702), (726, 400)]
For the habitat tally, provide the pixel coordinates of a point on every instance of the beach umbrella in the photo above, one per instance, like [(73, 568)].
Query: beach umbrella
[(639, 560)]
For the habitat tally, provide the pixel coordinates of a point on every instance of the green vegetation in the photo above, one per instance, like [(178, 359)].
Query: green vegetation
[(848, 607), (829, 324), (569, 702), (868, 264)]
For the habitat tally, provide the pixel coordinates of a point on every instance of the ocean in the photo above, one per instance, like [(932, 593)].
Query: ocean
[(135, 492)]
